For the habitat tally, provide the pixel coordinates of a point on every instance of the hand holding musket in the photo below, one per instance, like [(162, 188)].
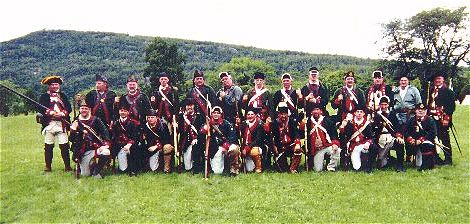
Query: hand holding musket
[(175, 143), (208, 139), (345, 122)]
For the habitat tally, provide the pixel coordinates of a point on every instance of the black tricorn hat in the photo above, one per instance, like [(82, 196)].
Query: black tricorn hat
[(223, 74), (313, 69), (286, 76), (360, 107), (437, 73), (378, 73), (152, 112), (421, 106), (259, 75), (282, 107), (384, 99), (123, 104), (101, 78), (52, 79), (198, 73), (132, 78), (349, 74), (163, 74), (80, 101)]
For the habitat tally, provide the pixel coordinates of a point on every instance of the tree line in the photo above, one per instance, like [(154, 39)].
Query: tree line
[(428, 41)]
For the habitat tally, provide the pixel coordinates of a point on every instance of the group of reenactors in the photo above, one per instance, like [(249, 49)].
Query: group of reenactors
[(228, 131)]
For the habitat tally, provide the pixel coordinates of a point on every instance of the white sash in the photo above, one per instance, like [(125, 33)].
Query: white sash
[(253, 98), (163, 95), (186, 120), (317, 125), (352, 95), (355, 134), (287, 98)]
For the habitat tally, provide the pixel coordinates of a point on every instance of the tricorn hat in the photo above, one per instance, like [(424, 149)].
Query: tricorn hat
[(101, 78), (349, 74), (132, 78), (52, 79), (282, 107), (384, 99), (437, 73), (80, 101), (286, 76), (313, 69), (223, 74), (360, 107), (152, 112), (123, 104), (198, 73), (421, 106), (217, 108), (163, 74), (259, 75), (254, 109), (401, 72), (379, 73)]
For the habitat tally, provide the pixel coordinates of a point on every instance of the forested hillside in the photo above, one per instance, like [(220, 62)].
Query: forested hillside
[(78, 56)]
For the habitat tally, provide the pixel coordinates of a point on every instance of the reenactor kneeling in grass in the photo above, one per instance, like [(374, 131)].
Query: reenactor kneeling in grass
[(90, 142), (388, 136), (223, 148), (420, 134), (125, 132), (286, 137), (360, 145), (322, 139), (157, 140), (252, 140), (189, 124)]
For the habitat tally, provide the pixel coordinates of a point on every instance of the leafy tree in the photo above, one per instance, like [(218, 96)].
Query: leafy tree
[(430, 41), (163, 56)]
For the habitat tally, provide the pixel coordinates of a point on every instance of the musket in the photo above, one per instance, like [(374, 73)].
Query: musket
[(206, 152), (306, 136), (44, 107), (428, 94), (24, 97), (240, 140), (452, 127), (175, 143), (390, 125)]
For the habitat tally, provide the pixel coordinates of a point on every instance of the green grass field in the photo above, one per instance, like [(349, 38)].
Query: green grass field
[(29, 195)]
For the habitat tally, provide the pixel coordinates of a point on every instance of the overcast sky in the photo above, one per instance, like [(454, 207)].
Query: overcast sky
[(348, 27)]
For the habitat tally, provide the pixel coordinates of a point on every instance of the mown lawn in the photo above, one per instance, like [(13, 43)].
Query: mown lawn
[(29, 195)]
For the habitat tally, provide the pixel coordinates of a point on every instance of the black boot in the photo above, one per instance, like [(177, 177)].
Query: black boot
[(448, 156), (48, 155), (399, 163), (102, 161), (64, 152)]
